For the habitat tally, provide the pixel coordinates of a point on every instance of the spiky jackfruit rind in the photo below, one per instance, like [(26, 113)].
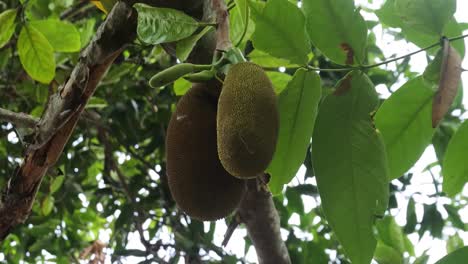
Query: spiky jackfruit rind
[(247, 121), (199, 184)]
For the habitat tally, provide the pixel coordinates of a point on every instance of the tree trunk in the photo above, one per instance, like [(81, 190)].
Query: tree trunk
[(259, 214)]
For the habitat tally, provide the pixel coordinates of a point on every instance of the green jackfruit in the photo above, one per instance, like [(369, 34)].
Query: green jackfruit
[(199, 184), (247, 121)]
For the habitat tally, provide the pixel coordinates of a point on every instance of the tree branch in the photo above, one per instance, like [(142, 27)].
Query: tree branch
[(62, 113), (18, 119), (259, 214)]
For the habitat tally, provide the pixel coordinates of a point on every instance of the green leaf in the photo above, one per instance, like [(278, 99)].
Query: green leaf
[(391, 234), (96, 102), (56, 183), (87, 31), (388, 16), (47, 205), (298, 108), (406, 130), (454, 242), (411, 219), (337, 29), (181, 86), (185, 46), (36, 54), (387, 255), (242, 6), (159, 25), (455, 167), (432, 221), (63, 36), (454, 217), (237, 26), (350, 165), (457, 257), (279, 80), (7, 25), (280, 31), (265, 60), (427, 16)]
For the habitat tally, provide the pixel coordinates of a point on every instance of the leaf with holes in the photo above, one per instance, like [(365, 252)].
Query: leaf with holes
[(159, 25), (298, 108), (36, 54), (337, 29), (350, 165)]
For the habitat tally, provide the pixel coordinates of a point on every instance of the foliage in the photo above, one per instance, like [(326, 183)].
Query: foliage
[(345, 157)]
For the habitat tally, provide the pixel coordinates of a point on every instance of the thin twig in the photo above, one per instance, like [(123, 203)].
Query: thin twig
[(364, 67), (74, 9), (236, 221)]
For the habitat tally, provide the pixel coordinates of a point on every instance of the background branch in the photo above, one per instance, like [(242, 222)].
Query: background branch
[(18, 119)]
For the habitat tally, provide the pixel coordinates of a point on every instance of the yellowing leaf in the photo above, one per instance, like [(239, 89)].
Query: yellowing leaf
[(99, 5), (450, 74), (36, 54)]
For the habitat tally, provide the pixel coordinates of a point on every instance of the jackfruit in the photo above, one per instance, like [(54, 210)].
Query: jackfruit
[(199, 184), (247, 121)]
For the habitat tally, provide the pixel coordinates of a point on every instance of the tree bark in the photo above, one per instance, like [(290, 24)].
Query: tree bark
[(259, 215), (61, 115)]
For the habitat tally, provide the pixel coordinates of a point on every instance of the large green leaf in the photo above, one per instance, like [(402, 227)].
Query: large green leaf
[(404, 120), (456, 257), (280, 31), (158, 25), (185, 46), (63, 36), (388, 16), (337, 29), (385, 254), (266, 60), (237, 25), (279, 80), (298, 108), (36, 54), (391, 234), (427, 16), (350, 165), (7, 25), (455, 166)]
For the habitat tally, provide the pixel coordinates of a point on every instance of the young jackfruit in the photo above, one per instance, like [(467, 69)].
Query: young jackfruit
[(247, 121), (198, 182)]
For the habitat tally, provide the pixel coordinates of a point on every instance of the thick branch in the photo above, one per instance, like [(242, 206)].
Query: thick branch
[(259, 215), (62, 113)]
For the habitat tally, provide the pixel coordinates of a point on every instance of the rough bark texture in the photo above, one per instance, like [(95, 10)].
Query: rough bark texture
[(61, 115), (259, 215)]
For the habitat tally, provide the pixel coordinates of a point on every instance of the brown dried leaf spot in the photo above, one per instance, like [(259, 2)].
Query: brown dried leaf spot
[(349, 53), (345, 86)]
